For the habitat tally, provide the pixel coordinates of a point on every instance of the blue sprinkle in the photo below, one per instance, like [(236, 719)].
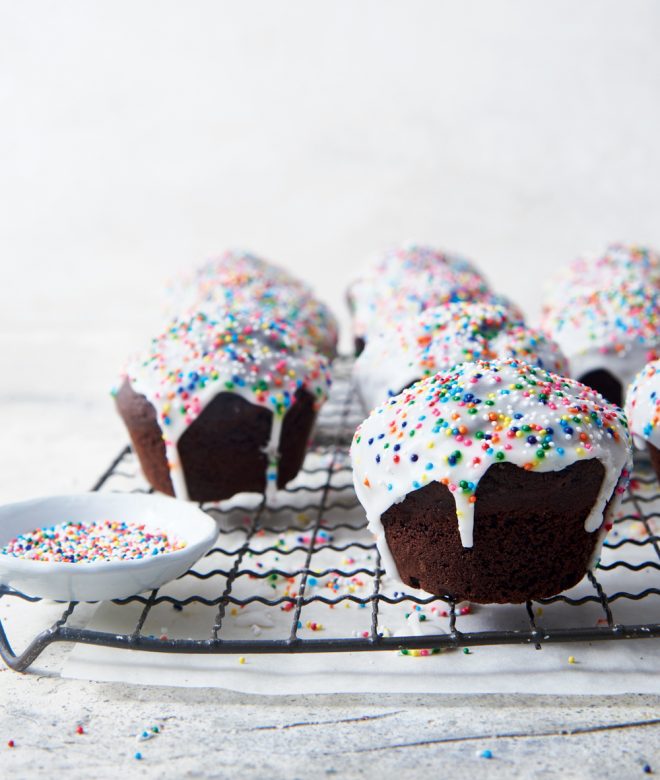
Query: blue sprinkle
[(138, 756), (486, 754)]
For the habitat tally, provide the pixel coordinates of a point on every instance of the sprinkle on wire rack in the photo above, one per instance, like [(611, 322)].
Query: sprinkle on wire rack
[(337, 421)]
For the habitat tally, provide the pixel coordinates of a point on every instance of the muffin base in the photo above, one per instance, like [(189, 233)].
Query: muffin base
[(529, 536), (221, 452)]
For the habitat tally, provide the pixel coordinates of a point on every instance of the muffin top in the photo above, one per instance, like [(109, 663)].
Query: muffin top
[(617, 329), (451, 427), (643, 405), (442, 337), (620, 265), (407, 279), (239, 281)]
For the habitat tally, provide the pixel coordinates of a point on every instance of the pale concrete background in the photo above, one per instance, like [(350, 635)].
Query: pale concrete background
[(138, 137)]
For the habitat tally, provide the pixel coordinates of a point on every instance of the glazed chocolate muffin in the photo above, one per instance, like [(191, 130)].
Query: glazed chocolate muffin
[(494, 482), (404, 280), (219, 407), (643, 412), (604, 312), (239, 281), (441, 337), (408, 279)]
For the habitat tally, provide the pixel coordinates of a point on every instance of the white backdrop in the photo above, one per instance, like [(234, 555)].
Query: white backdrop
[(139, 137)]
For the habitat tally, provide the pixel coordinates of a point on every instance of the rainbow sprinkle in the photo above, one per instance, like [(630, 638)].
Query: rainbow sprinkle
[(104, 540)]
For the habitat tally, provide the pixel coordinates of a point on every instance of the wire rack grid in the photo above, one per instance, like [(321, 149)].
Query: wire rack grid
[(310, 549)]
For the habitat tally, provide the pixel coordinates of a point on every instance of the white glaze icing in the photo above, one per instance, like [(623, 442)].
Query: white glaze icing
[(643, 406), (195, 359), (407, 279), (442, 337), (617, 330), (453, 426)]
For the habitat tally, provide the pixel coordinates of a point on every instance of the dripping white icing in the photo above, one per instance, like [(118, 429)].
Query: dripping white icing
[(452, 427), (198, 358)]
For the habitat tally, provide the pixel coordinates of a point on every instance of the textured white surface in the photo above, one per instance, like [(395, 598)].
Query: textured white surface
[(137, 138)]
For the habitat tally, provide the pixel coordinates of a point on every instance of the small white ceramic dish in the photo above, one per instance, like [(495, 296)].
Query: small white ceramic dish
[(102, 580)]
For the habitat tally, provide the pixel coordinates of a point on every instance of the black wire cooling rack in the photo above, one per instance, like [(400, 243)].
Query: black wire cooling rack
[(319, 511)]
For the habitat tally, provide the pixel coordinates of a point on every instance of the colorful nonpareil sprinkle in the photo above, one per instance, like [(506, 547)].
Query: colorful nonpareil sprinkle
[(104, 540), (452, 427)]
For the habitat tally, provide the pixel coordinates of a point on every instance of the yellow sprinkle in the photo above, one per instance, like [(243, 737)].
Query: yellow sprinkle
[(539, 612), (430, 445), (242, 659), (571, 659), (234, 611)]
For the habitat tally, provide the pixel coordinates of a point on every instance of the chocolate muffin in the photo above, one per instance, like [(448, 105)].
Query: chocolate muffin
[(239, 281), (643, 412), (442, 337), (604, 312), (218, 407), (494, 482)]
